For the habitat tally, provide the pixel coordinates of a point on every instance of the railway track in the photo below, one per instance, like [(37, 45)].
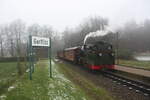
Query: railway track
[(121, 92), (132, 84)]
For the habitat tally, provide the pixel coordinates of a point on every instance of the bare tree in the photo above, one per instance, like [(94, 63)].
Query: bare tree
[(34, 30), (46, 31), (1, 40), (18, 29), (74, 37)]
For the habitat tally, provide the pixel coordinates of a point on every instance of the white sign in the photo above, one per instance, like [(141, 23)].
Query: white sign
[(40, 41)]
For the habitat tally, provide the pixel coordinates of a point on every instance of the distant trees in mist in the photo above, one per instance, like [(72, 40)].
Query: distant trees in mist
[(133, 37), (75, 37), (14, 37)]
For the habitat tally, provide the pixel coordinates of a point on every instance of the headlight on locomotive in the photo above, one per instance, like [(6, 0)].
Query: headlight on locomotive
[(100, 54)]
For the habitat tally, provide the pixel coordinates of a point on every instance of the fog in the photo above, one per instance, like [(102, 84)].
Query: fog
[(69, 13)]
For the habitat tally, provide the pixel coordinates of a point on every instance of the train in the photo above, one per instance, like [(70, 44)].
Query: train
[(96, 56)]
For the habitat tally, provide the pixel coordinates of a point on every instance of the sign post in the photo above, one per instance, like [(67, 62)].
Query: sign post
[(35, 41), (49, 56), (30, 57)]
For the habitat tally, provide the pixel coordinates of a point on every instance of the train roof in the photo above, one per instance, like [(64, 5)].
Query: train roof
[(72, 48)]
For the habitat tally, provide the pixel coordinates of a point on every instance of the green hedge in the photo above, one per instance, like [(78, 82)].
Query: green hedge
[(11, 59)]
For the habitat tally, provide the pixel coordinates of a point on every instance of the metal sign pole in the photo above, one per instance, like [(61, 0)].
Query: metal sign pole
[(30, 57), (28, 52), (49, 55)]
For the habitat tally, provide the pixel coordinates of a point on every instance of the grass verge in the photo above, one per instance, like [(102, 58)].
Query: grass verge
[(138, 64), (42, 87), (8, 74)]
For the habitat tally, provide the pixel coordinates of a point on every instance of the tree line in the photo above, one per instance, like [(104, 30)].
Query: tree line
[(132, 35)]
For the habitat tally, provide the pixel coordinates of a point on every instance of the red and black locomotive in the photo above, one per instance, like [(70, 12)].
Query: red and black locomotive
[(96, 56)]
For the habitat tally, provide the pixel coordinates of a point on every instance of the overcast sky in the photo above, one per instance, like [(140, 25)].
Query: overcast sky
[(69, 13)]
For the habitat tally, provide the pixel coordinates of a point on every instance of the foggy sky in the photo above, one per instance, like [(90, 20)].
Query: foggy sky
[(69, 13)]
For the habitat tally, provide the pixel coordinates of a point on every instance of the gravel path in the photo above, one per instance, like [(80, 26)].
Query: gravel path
[(117, 90)]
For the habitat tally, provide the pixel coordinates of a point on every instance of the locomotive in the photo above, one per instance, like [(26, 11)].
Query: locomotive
[(96, 56)]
